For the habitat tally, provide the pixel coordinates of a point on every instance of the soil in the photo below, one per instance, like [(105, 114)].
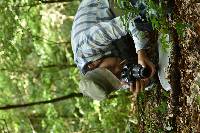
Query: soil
[(179, 109), (189, 65)]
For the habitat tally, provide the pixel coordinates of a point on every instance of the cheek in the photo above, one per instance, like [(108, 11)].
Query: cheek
[(118, 71)]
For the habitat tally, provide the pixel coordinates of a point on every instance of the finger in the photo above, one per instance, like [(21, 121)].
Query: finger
[(137, 88), (123, 83), (132, 87), (146, 81), (151, 66), (153, 70), (148, 64), (142, 63), (142, 85)]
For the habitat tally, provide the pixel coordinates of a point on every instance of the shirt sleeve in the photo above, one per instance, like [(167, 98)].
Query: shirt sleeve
[(103, 33)]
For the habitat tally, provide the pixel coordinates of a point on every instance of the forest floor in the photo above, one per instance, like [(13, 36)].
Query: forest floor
[(189, 119), (155, 109)]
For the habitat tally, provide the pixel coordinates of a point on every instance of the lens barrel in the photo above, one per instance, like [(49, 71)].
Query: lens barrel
[(132, 72)]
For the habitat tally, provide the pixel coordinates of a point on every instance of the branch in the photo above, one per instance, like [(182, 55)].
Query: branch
[(25, 69), (72, 95), (40, 2), (60, 66), (50, 41), (59, 99), (54, 1)]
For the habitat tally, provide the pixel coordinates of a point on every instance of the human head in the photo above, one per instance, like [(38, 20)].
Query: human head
[(102, 79)]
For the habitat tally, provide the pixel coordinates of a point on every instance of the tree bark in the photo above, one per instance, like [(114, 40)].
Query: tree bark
[(175, 74)]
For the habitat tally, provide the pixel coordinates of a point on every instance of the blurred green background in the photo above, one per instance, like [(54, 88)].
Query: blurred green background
[(36, 64)]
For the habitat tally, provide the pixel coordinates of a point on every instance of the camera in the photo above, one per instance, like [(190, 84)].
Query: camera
[(132, 72)]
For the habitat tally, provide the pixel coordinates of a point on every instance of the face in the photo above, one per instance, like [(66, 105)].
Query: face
[(113, 64)]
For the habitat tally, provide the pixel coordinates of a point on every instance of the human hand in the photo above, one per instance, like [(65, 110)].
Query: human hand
[(138, 86), (145, 62)]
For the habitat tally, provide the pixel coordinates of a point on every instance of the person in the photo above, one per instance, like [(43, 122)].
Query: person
[(102, 45)]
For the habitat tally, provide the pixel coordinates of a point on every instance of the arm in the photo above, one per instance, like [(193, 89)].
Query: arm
[(103, 33)]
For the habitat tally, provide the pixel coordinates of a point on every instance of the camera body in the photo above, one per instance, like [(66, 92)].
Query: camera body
[(132, 72)]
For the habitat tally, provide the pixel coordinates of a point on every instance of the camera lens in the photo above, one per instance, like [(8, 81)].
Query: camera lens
[(144, 73), (132, 72)]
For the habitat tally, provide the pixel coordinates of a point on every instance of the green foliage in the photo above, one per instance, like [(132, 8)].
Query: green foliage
[(35, 55), (152, 110), (166, 44), (157, 16), (162, 108), (180, 28)]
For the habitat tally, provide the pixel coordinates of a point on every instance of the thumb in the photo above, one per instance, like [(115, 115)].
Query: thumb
[(142, 62), (137, 88)]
